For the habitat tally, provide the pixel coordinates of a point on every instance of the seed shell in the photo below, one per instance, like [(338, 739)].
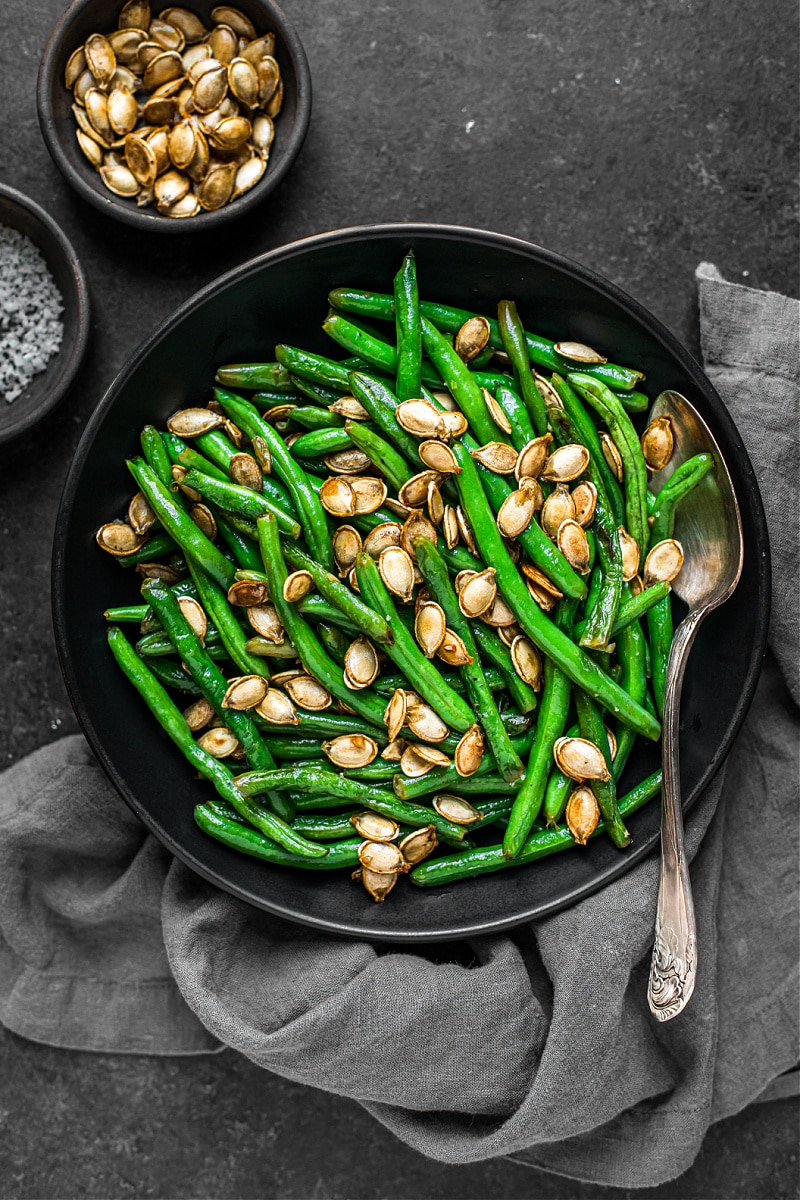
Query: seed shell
[(658, 443), (663, 562), (578, 352), (395, 713), (418, 844), (469, 752), (375, 827), (527, 662), (351, 750), (582, 814), (346, 548), (611, 454), (425, 723), (296, 586), (308, 692), (566, 463), (384, 858), (245, 692), (277, 708), (218, 742), (557, 508), (574, 545), (456, 809), (397, 571), (584, 497), (580, 759), (360, 664), (496, 456), (430, 627), (471, 338), (630, 554)]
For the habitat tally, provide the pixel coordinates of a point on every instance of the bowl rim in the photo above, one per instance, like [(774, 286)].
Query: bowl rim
[(76, 352), (410, 231), (143, 219)]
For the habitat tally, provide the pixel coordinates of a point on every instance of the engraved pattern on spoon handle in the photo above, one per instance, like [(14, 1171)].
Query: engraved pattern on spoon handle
[(672, 971)]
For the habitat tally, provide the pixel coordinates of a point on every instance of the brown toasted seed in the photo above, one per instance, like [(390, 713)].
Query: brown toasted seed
[(100, 58), (527, 662), (351, 750), (397, 571), (471, 338), (182, 143), (83, 83), (557, 508), (584, 497), (352, 579), (209, 90), (268, 78), (247, 691), (171, 187), (425, 723), (347, 462), (418, 844), (203, 518), (580, 759), (465, 529), (194, 615), (248, 593), (125, 43), (337, 497), (546, 389), (97, 111), (275, 104), (230, 133), (419, 758), (392, 751), (245, 471), (566, 463), (140, 514), (456, 809), (123, 111), (165, 68), (76, 65), (612, 742), (630, 554), (395, 713), (118, 538), (518, 508), (368, 493), (435, 503), (496, 456), (280, 678), (546, 600), (187, 206), (611, 454), (346, 548), (375, 827), (507, 633), (147, 52), (224, 43), (224, 14), (461, 579), (574, 545), (582, 814), (161, 110), (248, 175), (134, 15), (195, 54), (178, 476), (158, 571), (414, 491), (455, 423), (198, 715), (349, 408), (450, 526), (120, 181), (478, 593), (167, 35), (377, 886), (383, 858), (533, 456), (394, 506), (438, 456), (416, 525), (141, 159), (296, 586), (189, 24), (218, 742), (308, 692), (469, 751), (360, 664), (262, 454), (496, 411), (420, 418), (91, 149), (191, 422), (277, 708), (578, 352), (538, 577), (430, 626), (258, 48), (453, 651), (658, 443), (663, 562), (499, 614), (202, 67), (264, 619)]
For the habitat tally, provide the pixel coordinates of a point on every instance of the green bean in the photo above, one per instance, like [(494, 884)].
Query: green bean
[(587, 434), (513, 406), (220, 450), (634, 468), (553, 712), (127, 612), (592, 729), (380, 402), (244, 550), (187, 456), (155, 548), (447, 779), (375, 353), (315, 781), (155, 454), (406, 653), (173, 723), (317, 608), (172, 675), (633, 607), (485, 859), (312, 655), (460, 382), (320, 441), (317, 392), (324, 827), (315, 368), (434, 570), (557, 793), (492, 647), (513, 336), (215, 603), (317, 418), (255, 375), (156, 644), (213, 820), (631, 657), (179, 525), (408, 330), (267, 400), (242, 501), (633, 402), (334, 641), (387, 683), (323, 724), (360, 614), (551, 641), (306, 501), (380, 453)]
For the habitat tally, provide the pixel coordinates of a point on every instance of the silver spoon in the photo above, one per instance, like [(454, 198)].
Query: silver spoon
[(708, 526)]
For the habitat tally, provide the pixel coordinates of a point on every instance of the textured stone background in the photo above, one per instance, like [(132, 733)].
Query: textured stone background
[(637, 137)]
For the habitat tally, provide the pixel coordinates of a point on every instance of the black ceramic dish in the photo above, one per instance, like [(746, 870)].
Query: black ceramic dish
[(48, 387), (281, 296), (54, 104)]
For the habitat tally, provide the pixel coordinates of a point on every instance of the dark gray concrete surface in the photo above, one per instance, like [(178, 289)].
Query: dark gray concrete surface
[(637, 137)]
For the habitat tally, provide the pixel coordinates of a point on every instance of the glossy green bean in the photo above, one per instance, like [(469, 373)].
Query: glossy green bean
[(320, 441), (513, 406), (633, 678), (155, 454), (271, 375), (590, 723), (586, 433), (157, 547), (460, 382), (491, 647), (335, 592), (187, 456), (408, 330), (240, 500), (380, 453), (447, 779), (516, 347), (171, 674), (311, 417), (377, 354), (380, 402), (214, 819), (633, 607), (244, 549), (215, 603)]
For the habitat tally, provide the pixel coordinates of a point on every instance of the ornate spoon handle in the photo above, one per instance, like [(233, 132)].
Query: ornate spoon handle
[(672, 972)]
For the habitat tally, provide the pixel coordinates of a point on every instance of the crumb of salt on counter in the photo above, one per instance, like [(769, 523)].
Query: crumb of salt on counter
[(30, 310)]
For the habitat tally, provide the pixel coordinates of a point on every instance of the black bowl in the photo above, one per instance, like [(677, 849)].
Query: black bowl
[(54, 104), (48, 387), (281, 296)]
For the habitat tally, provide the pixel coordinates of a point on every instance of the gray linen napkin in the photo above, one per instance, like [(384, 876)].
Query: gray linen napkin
[(107, 944)]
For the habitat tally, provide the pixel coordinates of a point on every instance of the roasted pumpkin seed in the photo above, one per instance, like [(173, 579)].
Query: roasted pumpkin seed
[(527, 662), (218, 742), (246, 691), (264, 619), (629, 548), (351, 750), (308, 692), (478, 593), (574, 545), (395, 713), (191, 422), (456, 809), (518, 508), (100, 58), (418, 844), (580, 759), (469, 752), (198, 715), (420, 418), (439, 457), (532, 457), (566, 463), (118, 538), (578, 352), (397, 571), (425, 723), (557, 508), (430, 627), (584, 497), (496, 412), (277, 708), (360, 664), (658, 443), (414, 491), (611, 454), (375, 827), (496, 456), (582, 814), (663, 562), (453, 651), (296, 586), (471, 338)]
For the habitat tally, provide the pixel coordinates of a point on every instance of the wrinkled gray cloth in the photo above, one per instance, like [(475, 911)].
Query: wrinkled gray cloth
[(108, 944)]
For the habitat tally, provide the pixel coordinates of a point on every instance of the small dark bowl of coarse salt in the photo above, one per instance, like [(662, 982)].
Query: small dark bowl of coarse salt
[(44, 313)]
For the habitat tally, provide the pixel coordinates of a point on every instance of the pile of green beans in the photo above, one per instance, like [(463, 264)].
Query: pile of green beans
[(340, 626)]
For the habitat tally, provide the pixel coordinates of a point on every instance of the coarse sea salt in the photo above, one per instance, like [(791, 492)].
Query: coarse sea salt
[(30, 313)]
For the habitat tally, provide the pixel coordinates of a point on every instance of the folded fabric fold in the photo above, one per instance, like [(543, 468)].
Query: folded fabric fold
[(543, 1048)]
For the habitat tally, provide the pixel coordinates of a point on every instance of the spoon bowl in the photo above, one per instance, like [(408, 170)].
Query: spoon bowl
[(709, 528)]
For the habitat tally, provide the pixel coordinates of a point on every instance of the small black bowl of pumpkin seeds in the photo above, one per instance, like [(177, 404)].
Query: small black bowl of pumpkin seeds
[(174, 118)]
